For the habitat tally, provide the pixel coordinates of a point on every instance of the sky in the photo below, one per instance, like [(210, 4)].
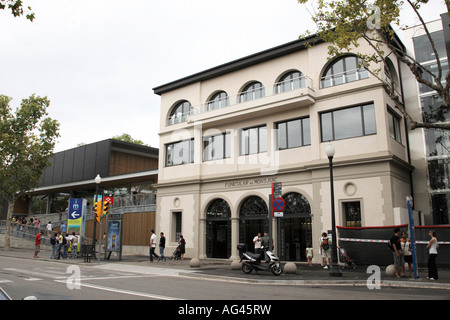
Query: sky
[(98, 60)]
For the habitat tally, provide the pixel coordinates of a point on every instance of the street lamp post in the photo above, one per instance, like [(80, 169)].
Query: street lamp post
[(335, 271)]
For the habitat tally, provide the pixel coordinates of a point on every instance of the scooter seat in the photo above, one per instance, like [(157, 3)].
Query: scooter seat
[(255, 256)]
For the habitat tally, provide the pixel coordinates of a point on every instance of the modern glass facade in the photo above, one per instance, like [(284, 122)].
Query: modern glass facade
[(437, 141)]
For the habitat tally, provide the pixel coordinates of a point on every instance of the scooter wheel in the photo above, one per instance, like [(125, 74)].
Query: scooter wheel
[(246, 268), (276, 269)]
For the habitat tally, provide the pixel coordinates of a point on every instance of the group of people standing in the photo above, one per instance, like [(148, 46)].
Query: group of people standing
[(401, 248), (62, 243)]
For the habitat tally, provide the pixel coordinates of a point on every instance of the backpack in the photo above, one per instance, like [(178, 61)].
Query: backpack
[(325, 245)]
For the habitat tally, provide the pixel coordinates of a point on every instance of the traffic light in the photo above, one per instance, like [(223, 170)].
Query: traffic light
[(105, 207), (97, 210)]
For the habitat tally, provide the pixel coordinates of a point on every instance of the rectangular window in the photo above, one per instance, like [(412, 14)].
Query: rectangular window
[(177, 225), (394, 126), (181, 152), (253, 140), (348, 123), (352, 212), (217, 147), (293, 133)]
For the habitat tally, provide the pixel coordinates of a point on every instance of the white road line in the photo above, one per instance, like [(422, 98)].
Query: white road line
[(5, 281), (129, 292), (45, 274)]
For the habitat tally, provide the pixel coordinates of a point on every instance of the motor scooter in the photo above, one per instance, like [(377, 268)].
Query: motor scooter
[(258, 262)]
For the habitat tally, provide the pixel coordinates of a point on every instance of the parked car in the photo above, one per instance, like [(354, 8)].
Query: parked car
[(5, 296)]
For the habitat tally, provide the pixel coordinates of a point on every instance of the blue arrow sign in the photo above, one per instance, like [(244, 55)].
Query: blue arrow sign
[(75, 208)]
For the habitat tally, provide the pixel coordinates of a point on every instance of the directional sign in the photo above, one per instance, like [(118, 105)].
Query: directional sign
[(75, 208), (278, 204)]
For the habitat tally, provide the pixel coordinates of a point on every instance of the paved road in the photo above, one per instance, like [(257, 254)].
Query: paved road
[(52, 280)]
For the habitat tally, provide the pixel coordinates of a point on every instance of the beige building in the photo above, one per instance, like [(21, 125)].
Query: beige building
[(229, 132)]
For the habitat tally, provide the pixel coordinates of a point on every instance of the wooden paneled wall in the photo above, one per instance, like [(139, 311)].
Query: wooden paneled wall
[(121, 163), (136, 228)]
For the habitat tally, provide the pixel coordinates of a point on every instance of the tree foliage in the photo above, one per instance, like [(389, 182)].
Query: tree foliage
[(345, 24), (127, 138), (27, 140), (17, 8)]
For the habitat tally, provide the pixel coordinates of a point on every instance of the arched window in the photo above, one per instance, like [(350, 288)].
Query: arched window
[(290, 81), (252, 91), (217, 101), (390, 73), (296, 204), (253, 206), (343, 70), (218, 208), (180, 112)]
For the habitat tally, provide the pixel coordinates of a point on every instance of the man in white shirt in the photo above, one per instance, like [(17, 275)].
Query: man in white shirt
[(257, 242), (153, 246)]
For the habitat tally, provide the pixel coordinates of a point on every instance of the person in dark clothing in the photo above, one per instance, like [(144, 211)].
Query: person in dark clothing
[(396, 248), (162, 245)]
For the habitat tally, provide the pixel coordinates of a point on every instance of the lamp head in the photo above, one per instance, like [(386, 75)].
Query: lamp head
[(330, 150), (98, 179)]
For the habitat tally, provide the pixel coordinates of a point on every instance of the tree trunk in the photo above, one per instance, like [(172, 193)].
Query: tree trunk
[(7, 243)]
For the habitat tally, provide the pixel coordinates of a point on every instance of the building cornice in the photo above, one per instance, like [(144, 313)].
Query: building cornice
[(241, 63)]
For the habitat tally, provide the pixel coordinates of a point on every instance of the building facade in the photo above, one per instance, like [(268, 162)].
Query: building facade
[(430, 148), (229, 132), (129, 174)]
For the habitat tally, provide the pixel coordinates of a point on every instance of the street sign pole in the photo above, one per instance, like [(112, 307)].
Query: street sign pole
[(409, 201)]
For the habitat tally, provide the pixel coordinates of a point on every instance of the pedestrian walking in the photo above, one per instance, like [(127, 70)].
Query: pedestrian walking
[(397, 253), (37, 243), (153, 246), (162, 245), (432, 247)]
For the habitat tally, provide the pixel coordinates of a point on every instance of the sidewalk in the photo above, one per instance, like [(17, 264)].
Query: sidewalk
[(218, 269)]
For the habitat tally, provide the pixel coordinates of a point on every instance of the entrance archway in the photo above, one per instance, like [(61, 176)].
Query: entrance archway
[(253, 219), (295, 229), (218, 229)]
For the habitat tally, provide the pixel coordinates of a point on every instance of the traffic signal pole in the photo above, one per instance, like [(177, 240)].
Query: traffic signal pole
[(100, 229)]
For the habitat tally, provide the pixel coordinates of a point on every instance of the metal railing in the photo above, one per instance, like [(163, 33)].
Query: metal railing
[(249, 95)]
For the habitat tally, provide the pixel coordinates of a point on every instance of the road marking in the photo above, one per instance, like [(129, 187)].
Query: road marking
[(129, 292), (5, 281)]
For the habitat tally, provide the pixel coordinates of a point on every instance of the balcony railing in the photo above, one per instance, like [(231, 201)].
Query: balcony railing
[(278, 88), (130, 200), (343, 77)]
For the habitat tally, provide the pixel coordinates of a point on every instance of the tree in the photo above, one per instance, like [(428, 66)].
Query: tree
[(127, 138), (17, 8), (345, 23), (27, 140)]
